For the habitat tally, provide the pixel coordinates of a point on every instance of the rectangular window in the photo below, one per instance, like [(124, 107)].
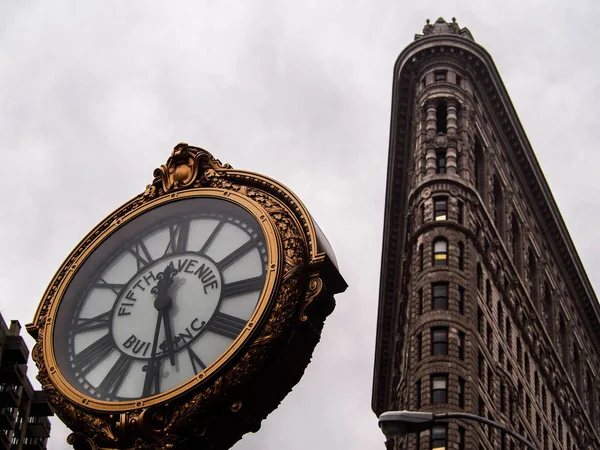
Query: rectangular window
[(481, 366), (439, 388), (461, 345), (440, 208), (461, 438), (440, 75), (440, 252), (461, 213), (420, 301), (438, 437), (419, 346), (440, 162), (439, 341), (439, 296), (490, 339), (418, 394), (461, 300), (461, 393), (458, 80)]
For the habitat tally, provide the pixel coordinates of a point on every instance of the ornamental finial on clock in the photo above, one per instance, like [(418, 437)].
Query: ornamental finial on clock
[(185, 168)]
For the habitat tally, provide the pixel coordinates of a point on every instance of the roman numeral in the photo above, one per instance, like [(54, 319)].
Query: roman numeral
[(142, 256), (178, 237), (116, 375), (152, 380), (89, 357), (243, 287), (197, 364), (102, 284), (211, 238), (226, 325), (235, 255), (94, 323)]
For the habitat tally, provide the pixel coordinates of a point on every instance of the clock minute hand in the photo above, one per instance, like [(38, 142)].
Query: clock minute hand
[(163, 304), (150, 369), (169, 336)]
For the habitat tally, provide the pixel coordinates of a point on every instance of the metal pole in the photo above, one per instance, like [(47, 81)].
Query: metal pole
[(444, 416)]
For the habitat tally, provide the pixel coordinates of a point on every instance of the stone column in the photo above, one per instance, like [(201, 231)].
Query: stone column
[(463, 143), (451, 116), (451, 157), (430, 157), (431, 126)]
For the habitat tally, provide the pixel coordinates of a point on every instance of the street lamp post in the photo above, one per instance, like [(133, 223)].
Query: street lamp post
[(400, 423)]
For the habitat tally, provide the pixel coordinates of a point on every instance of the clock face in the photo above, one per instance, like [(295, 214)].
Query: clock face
[(161, 299)]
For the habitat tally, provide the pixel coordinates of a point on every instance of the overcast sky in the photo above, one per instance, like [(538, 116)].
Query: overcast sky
[(94, 95)]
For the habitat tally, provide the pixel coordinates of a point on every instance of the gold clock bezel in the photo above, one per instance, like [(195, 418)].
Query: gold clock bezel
[(272, 278)]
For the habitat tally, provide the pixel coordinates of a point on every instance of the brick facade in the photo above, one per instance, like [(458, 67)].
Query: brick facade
[(475, 252)]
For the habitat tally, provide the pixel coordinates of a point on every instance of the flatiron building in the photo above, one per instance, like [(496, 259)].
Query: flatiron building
[(484, 304)]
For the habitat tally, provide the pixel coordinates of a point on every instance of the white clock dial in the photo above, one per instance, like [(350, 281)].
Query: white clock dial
[(161, 299)]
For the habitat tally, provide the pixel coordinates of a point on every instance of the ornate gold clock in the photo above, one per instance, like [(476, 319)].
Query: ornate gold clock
[(185, 317)]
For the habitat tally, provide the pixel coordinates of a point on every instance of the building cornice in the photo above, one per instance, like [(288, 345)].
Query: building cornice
[(474, 58)]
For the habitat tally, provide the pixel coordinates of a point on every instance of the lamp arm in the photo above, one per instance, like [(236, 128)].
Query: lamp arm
[(444, 416)]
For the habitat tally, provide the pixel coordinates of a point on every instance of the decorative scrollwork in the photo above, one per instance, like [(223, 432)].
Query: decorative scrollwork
[(183, 169)]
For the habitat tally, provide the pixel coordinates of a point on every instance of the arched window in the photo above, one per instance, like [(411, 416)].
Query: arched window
[(498, 206), (516, 243), (499, 315), (544, 399), (461, 256), (440, 161), (480, 321), (591, 396), (547, 309), (460, 213), (577, 368), (508, 331), (439, 388), (440, 252), (441, 113), (479, 277), (439, 341), (532, 277), (563, 341), (479, 168), (439, 298)]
